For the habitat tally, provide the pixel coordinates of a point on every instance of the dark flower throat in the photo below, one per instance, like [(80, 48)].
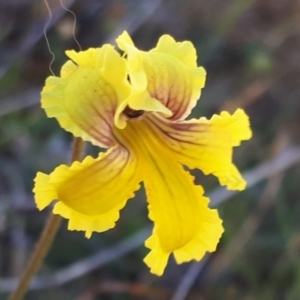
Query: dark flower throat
[(131, 113)]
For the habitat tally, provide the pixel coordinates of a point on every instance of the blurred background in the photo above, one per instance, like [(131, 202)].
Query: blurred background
[(251, 51)]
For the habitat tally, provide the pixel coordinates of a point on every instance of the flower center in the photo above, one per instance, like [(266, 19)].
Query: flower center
[(131, 113)]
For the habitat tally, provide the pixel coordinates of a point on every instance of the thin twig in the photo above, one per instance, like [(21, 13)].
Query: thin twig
[(38, 256), (33, 35), (45, 240), (189, 279)]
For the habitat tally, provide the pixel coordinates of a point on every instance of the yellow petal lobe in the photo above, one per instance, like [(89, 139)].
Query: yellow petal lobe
[(157, 259), (207, 144), (209, 232), (85, 98), (87, 223), (204, 227), (173, 204), (206, 240), (91, 193), (124, 41), (170, 77), (183, 51)]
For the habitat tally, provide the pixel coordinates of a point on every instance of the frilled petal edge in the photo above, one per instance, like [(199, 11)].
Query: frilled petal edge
[(184, 225), (90, 193), (205, 240), (85, 97), (172, 78), (184, 51), (206, 144)]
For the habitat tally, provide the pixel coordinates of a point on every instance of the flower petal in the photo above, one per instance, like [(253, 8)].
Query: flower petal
[(157, 258), (206, 240), (90, 193), (87, 223), (180, 214), (167, 73), (84, 99), (207, 144), (184, 51)]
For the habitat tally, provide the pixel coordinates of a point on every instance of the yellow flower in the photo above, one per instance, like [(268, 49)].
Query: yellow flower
[(141, 122)]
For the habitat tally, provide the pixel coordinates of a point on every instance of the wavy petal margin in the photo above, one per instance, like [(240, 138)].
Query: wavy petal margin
[(85, 98), (172, 78), (183, 51), (206, 240), (207, 144), (90, 193), (184, 225)]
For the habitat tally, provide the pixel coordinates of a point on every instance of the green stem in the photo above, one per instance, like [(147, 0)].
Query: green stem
[(46, 238)]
